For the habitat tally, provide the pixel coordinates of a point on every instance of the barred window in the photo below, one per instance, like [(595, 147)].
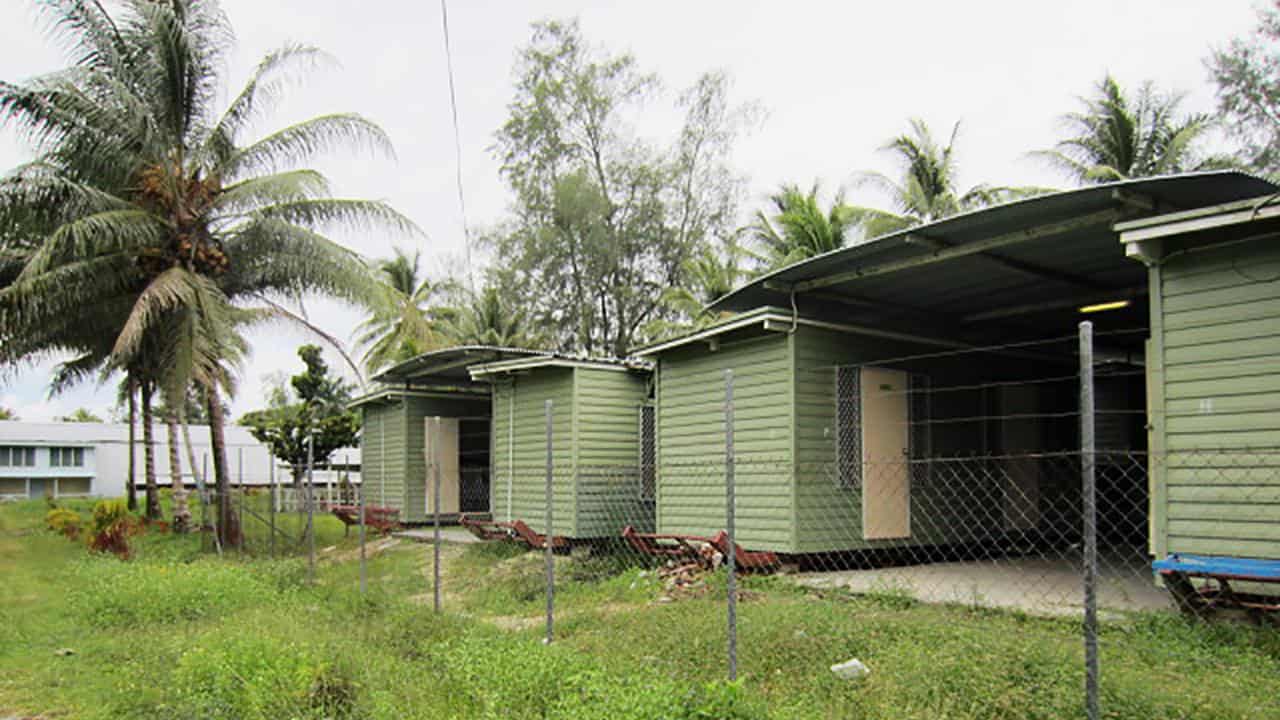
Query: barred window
[(848, 427), (12, 456), (648, 453)]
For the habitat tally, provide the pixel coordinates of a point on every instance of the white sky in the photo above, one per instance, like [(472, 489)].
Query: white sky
[(836, 80)]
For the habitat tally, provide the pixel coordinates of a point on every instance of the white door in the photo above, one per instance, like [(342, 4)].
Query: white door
[(886, 468), (441, 450)]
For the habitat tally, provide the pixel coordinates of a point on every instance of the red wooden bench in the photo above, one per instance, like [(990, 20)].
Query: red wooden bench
[(382, 519)]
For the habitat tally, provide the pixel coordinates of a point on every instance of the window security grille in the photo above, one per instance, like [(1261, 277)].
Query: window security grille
[(648, 453)]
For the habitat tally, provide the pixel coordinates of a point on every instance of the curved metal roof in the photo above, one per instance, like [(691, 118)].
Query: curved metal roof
[(995, 264)]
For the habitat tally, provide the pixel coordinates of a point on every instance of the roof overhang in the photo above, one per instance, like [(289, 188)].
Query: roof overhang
[(490, 370), (450, 365), (1148, 239), (392, 394), (1016, 270), (777, 320)]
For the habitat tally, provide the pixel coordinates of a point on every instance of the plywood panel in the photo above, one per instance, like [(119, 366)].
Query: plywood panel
[(441, 448), (886, 480)]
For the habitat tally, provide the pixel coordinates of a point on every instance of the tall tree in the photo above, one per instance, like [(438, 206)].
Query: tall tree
[(407, 320), (799, 227), (1247, 72), (309, 420), (146, 202), (927, 186), (1117, 136), (488, 319), (605, 220)]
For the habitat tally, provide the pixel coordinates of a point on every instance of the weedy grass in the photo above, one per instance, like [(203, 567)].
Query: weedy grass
[(176, 632)]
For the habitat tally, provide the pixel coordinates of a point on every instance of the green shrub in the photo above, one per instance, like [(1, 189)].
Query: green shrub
[(111, 527), (254, 677), (113, 594), (63, 521)]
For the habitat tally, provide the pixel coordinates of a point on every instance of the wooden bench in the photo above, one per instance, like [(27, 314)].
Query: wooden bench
[(382, 519), (1178, 568)]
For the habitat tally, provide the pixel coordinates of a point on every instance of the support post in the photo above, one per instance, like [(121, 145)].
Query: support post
[(729, 521), (1088, 452), (435, 514), (548, 529)]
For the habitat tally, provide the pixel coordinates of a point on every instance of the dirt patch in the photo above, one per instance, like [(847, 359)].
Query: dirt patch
[(371, 549)]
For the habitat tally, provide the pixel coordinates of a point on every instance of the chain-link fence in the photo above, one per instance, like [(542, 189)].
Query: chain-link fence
[(1015, 480)]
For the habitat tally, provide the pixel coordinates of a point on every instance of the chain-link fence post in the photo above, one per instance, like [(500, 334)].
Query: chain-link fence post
[(310, 530), (272, 499), (730, 560), (435, 514), (364, 572), (243, 495), (1090, 508), (549, 531)]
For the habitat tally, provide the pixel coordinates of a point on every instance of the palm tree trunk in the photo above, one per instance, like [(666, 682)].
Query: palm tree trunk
[(228, 523), (149, 454), (181, 514), (131, 491)]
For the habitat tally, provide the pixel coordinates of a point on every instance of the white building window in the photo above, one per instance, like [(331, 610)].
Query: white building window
[(66, 457), (13, 456)]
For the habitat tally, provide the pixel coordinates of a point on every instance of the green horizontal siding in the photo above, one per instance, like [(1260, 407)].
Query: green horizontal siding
[(690, 426), (382, 454), (607, 427), (520, 449), (1216, 327)]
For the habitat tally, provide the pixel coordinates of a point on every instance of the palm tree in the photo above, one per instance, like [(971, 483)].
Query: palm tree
[(710, 274), (144, 196), (489, 320), (798, 229), (406, 323), (1117, 136), (927, 188)]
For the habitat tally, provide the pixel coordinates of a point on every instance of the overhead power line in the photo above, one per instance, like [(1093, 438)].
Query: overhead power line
[(457, 142)]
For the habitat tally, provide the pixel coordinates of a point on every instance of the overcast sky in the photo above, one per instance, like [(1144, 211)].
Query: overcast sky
[(836, 80)]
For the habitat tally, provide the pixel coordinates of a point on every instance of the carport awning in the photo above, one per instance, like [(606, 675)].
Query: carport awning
[(1006, 271)]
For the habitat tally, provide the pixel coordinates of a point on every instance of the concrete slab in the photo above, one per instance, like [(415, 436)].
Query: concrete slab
[(1037, 585), (455, 535)]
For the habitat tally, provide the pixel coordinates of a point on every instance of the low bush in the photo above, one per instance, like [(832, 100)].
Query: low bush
[(254, 677), (111, 527), (64, 521), (113, 594)]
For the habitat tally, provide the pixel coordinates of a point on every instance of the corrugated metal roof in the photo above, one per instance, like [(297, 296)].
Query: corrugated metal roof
[(450, 364), (1052, 250), (559, 360)]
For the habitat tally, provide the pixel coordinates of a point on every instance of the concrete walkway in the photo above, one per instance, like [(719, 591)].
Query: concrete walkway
[(454, 535), (1038, 586)]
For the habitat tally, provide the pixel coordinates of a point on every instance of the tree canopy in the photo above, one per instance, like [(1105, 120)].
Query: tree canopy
[(604, 219), (311, 411), (1247, 72), (1118, 135)]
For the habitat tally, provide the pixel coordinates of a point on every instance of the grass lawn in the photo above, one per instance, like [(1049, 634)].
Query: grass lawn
[(176, 633)]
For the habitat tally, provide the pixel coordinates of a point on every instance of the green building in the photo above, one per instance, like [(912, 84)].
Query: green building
[(396, 438), (1214, 377), (851, 359), (598, 409)]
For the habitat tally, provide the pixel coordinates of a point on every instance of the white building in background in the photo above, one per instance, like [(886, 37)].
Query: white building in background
[(64, 459)]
